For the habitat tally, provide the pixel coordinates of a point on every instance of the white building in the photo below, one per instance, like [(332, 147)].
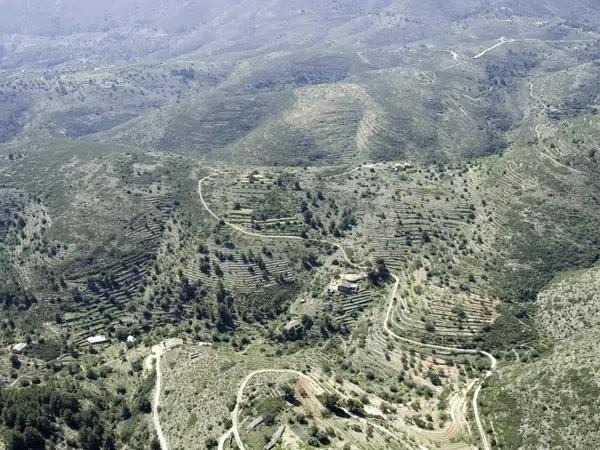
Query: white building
[(100, 339), (18, 348)]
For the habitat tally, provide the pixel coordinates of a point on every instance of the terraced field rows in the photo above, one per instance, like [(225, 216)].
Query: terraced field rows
[(11, 203), (250, 198), (348, 306), (124, 278), (240, 276)]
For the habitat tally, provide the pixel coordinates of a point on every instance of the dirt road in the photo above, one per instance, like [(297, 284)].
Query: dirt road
[(158, 351), (235, 429)]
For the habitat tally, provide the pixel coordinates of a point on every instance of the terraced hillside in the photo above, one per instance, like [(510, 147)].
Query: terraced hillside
[(299, 224), (455, 244)]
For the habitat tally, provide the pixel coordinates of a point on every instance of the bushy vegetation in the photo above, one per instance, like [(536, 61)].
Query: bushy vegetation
[(33, 417)]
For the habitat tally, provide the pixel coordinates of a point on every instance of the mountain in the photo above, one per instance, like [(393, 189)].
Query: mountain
[(209, 79), (299, 224)]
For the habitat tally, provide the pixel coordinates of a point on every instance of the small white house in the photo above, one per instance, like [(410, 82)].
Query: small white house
[(131, 339), (18, 348), (346, 287), (100, 339)]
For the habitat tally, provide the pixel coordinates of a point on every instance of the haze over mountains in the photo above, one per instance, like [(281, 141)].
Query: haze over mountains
[(280, 82)]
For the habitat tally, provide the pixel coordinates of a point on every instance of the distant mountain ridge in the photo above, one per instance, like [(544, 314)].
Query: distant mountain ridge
[(281, 82)]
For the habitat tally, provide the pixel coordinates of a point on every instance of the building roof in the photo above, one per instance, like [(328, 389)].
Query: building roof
[(347, 285), (97, 339), (19, 347), (292, 324)]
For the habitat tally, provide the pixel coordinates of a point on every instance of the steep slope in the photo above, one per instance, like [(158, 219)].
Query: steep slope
[(551, 401)]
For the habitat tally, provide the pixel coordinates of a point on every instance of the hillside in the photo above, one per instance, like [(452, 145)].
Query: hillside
[(299, 224), (559, 385)]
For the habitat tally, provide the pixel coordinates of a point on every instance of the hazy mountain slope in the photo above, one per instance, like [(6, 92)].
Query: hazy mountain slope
[(151, 29), (228, 81)]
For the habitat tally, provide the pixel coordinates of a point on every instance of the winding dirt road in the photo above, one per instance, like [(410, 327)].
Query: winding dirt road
[(500, 42), (493, 361), (235, 414), (158, 351), (265, 236), (504, 40), (316, 387), (224, 439)]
